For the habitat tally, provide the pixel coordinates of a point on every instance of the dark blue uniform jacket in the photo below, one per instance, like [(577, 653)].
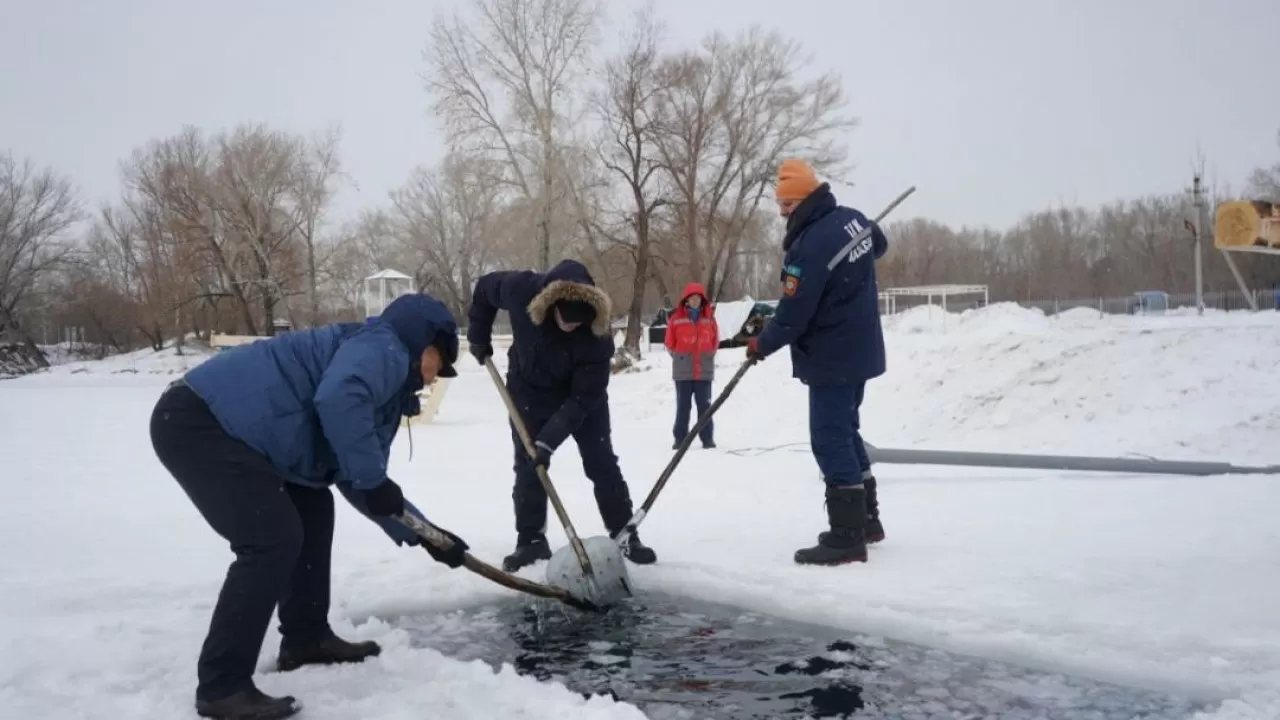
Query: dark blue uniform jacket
[(829, 312)]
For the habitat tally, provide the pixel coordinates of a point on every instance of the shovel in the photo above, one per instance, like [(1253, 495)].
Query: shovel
[(430, 534), (580, 581), (639, 516)]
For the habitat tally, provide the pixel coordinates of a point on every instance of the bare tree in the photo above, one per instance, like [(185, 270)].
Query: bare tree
[(311, 191), (86, 298), (729, 113), (251, 185), (362, 247), (373, 233), (921, 251), (241, 210), (1264, 183), (172, 178), (503, 79), (446, 219), (37, 209), (625, 107), (143, 264)]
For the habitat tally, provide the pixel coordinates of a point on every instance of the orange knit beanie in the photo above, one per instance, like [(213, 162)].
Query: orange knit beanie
[(796, 180)]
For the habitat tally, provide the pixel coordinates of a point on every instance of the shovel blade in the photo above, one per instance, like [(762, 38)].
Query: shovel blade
[(612, 583)]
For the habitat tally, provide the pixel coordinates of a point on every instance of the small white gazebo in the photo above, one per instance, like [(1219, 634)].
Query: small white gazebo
[(382, 287)]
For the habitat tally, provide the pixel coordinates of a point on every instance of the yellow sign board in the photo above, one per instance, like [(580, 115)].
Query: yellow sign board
[(1247, 225)]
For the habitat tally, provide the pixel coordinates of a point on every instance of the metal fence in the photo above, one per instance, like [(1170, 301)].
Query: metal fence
[(1225, 301)]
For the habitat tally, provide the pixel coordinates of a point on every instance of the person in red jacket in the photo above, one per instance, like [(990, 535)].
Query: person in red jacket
[(692, 340)]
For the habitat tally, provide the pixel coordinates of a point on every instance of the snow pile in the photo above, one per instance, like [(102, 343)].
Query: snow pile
[(65, 352), (731, 315), (65, 361), (16, 359), (1012, 319), (1161, 582), (168, 362), (1185, 388), (1008, 379), (1001, 318)]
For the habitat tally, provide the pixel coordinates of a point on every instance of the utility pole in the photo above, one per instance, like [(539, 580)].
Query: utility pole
[(1200, 222)]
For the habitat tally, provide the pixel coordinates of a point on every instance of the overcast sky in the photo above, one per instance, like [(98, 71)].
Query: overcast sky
[(993, 108)]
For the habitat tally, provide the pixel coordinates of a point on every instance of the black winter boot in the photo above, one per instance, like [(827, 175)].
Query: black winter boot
[(251, 704), (530, 549), (844, 543), (637, 552), (875, 531), (330, 650)]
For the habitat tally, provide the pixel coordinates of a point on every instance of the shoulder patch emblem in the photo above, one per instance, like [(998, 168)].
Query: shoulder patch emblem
[(790, 285), (793, 270)]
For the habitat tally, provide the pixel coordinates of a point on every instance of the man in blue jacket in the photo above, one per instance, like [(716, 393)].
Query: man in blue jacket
[(829, 314), (559, 367), (255, 436)]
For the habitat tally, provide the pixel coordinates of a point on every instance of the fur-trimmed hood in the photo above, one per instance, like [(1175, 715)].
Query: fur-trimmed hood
[(570, 280)]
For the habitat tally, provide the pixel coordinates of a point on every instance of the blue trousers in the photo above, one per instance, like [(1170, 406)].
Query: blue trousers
[(687, 393), (834, 433)]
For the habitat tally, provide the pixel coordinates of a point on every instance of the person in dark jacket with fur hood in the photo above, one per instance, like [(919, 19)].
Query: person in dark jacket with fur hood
[(255, 436), (559, 366)]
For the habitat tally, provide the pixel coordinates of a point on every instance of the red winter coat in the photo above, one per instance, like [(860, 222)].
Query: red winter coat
[(693, 344)]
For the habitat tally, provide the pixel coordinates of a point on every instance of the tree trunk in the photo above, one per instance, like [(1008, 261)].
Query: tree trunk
[(312, 286), (638, 284), (663, 290), (268, 299), (268, 313), (544, 223), (691, 235)]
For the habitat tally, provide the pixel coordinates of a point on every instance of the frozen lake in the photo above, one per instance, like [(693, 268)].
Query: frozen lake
[(677, 658)]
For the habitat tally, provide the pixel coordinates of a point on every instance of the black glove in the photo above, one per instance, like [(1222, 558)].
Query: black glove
[(384, 499), (480, 351), (753, 350), (451, 557), (543, 457)]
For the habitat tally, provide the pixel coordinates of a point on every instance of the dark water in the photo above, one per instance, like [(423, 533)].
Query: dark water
[(677, 658)]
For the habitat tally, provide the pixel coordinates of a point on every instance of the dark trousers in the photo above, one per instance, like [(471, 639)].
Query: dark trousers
[(834, 433), (595, 444), (281, 534), (689, 392)]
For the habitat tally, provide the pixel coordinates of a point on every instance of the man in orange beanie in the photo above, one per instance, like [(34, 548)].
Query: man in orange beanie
[(830, 316)]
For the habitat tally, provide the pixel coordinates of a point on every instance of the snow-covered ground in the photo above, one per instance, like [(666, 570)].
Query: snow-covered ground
[(1163, 582)]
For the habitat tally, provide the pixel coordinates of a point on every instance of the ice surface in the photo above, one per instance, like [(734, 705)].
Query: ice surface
[(720, 664), (1167, 583)]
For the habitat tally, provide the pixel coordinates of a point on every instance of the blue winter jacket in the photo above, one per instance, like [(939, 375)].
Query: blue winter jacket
[(557, 376), (323, 405), (829, 317)]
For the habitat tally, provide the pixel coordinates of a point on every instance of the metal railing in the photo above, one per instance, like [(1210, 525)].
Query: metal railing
[(1221, 301)]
